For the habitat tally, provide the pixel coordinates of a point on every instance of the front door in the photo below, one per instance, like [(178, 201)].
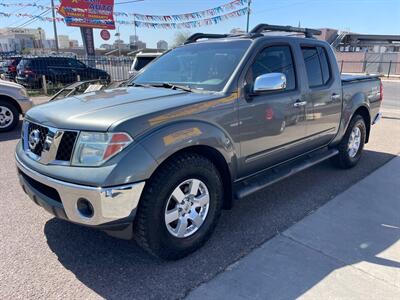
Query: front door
[(272, 124)]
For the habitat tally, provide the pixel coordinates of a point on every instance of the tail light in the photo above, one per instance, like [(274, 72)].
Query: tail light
[(381, 91), (28, 71), (12, 69)]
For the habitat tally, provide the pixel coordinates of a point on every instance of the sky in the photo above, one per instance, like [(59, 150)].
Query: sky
[(361, 16)]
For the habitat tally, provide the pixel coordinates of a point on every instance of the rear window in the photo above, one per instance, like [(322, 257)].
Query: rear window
[(25, 63), (141, 62)]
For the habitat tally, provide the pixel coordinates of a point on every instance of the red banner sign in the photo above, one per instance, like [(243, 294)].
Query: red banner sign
[(88, 13)]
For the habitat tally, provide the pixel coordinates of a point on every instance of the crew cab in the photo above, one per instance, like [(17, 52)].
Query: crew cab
[(213, 120)]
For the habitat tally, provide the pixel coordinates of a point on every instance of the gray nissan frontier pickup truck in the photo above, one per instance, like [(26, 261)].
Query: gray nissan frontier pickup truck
[(216, 119)]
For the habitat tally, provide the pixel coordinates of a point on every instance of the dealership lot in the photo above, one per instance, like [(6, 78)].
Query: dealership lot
[(42, 257)]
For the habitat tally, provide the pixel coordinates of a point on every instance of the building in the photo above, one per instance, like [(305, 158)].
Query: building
[(20, 39), (119, 44), (237, 31), (63, 41), (73, 44), (162, 45), (133, 39), (353, 42), (107, 47), (49, 44)]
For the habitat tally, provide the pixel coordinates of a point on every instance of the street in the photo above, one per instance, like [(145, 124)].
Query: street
[(43, 257)]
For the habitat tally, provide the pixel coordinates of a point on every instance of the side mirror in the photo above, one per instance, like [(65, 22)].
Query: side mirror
[(269, 82)]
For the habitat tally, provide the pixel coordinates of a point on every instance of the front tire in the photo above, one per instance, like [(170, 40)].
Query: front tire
[(352, 144), (180, 207), (9, 116)]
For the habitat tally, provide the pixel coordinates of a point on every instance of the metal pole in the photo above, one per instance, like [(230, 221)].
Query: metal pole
[(54, 24), (390, 66), (248, 15), (341, 67)]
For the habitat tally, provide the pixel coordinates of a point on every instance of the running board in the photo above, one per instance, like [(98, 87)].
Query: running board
[(272, 175)]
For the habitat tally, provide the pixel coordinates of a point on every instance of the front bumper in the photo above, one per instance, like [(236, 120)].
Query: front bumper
[(112, 206)]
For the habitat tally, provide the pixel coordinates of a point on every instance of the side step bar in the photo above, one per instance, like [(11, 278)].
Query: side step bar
[(270, 176)]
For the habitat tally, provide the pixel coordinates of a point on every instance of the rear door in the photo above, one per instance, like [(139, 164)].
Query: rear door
[(272, 126), (324, 94)]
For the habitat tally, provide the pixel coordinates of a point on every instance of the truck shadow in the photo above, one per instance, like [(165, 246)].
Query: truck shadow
[(117, 269)]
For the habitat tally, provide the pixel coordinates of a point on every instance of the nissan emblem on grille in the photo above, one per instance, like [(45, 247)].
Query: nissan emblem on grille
[(34, 139)]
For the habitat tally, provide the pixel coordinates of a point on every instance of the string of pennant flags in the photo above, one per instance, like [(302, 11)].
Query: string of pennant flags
[(212, 12), (180, 21)]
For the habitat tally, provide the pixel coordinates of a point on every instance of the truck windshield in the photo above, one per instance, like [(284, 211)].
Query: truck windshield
[(198, 66)]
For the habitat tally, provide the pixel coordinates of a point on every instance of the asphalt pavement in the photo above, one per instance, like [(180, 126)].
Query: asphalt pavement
[(42, 257)]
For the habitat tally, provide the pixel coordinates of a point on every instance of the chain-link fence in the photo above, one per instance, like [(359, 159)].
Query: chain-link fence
[(50, 73)]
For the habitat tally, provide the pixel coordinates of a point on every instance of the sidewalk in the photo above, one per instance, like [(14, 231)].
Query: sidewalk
[(347, 249)]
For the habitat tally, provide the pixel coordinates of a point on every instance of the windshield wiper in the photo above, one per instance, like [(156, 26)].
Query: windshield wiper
[(138, 84), (172, 86)]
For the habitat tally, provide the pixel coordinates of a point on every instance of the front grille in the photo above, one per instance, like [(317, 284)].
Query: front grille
[(66, 146), (44, 145), (43, 131)]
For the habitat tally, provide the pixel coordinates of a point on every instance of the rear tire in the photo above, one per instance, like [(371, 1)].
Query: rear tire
[(352, 144), (194, 218), (9, 116)]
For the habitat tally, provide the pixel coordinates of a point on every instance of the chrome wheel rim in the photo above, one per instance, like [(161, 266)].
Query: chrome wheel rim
[(187, 208), (6, 117), (354, 142)]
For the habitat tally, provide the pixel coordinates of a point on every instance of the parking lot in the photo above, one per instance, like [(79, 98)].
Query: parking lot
[(42, 257)]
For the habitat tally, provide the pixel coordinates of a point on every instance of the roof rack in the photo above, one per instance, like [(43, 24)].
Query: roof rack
[(308, 32), (196, 36)]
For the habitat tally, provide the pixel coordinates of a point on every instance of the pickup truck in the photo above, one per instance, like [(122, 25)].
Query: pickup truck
[(14, 101), (213, 120)]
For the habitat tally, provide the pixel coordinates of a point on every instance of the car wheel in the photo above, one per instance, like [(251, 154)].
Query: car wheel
[(179, 207), (9, 116), (352, 144)]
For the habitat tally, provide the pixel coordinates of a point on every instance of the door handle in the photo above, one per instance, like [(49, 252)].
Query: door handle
[(299, 103), (335, 97)]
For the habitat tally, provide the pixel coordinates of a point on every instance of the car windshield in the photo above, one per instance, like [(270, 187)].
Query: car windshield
[(199, 66)]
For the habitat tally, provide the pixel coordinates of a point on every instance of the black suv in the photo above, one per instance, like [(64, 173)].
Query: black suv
[(57, 70)]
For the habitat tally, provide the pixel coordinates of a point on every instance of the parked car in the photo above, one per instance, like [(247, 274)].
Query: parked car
[(11, 65), (14, 101), (56, 69), (141, 60), (78, 88), (199, 127)]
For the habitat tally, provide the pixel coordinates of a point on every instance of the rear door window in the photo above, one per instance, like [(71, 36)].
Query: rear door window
[(317, 66), (324, 65), (313, 66)]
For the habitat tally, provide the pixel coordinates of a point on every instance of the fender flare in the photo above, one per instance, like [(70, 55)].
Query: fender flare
[(176, 136)]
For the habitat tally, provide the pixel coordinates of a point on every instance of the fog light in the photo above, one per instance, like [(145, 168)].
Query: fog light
[(85, 208)]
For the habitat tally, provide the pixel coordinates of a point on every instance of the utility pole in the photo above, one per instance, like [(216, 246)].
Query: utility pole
[(248, 15), (54, 24)]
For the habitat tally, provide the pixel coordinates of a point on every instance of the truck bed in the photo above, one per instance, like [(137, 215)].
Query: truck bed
[(350, 78)]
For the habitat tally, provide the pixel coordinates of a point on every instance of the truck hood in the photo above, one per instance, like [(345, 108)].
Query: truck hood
[(97, 111), (10, 84)]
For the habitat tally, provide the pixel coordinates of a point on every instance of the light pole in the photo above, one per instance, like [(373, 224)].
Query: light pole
[(54, 25), (248, 15)]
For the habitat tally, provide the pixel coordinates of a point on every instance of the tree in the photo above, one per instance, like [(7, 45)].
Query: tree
[(180, 37)]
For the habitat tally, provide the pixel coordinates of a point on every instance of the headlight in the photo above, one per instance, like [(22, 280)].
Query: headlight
[(94, 148), (23, 92)]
